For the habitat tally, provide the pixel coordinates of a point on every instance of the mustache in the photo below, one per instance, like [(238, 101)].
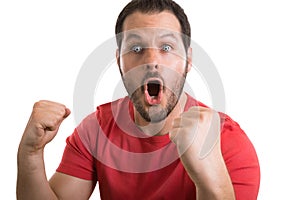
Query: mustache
[(152, 75), (149, 75), (134, 83)]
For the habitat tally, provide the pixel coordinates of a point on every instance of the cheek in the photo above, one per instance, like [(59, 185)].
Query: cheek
[(179, 66), (127, 63), (174, 76), (124, 65), (176, 61)]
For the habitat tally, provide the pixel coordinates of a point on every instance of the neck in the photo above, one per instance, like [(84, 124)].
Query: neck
[(163, 127)]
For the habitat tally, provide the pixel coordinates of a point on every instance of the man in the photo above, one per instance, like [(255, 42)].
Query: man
[(157, 143)]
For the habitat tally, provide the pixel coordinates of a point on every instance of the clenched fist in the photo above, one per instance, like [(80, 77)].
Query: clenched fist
[(198, 130), (43, 124), (196, 134)]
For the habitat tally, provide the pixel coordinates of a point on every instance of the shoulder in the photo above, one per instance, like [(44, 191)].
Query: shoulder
[(234, 140), (111, 110), (241, 159)]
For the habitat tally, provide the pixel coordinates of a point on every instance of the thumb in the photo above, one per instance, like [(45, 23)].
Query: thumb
[(55, 128), (67, 113)]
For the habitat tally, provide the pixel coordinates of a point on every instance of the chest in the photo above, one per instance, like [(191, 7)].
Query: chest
[(170, 182)]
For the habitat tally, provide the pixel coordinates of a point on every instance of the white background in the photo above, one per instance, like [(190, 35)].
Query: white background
[(254, 44)]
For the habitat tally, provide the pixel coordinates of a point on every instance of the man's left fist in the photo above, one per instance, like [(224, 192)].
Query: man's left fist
[(196, 135), (196, 130)]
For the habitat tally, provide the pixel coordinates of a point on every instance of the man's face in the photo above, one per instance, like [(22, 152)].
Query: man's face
[(153, 63)]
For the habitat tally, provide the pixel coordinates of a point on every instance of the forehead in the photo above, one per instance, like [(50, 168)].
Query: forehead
[(151, 35), (162, 20)]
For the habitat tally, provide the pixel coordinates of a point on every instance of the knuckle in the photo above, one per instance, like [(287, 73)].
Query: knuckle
[(173, 135), (40, 104), (37, 104), (60, 112), (53, 122)]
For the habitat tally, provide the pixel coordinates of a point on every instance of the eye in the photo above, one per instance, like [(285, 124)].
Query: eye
[(136, 49), (166, 48)]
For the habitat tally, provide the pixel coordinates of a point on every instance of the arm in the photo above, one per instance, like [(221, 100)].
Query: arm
[(212, 180), (32, 182), (196, 134)]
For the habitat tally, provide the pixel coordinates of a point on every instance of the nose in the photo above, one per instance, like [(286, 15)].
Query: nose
[(151, 59)]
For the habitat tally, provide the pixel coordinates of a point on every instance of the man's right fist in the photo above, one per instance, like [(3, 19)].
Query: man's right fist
[(43, 124)]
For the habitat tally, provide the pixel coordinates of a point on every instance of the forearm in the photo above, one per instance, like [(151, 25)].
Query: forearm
[(219, 190), (213, 180), (32, 182), (214, 194), (210, 175)]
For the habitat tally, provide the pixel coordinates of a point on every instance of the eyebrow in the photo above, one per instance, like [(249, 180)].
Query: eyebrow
[(169, 35), (133, 36)]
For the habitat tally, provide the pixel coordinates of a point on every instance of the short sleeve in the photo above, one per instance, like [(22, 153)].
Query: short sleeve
[(241, 160), (77, 160)]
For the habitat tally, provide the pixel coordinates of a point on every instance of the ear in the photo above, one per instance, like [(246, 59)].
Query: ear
[(189, 58), (118, 57)]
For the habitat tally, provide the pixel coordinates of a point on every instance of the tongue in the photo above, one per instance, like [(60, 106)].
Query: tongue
[(152, 100)]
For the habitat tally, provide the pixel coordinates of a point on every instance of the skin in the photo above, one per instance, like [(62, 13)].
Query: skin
[(209, 174), (155, 60)]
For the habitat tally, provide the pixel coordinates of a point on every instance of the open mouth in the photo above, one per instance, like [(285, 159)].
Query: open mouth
[(153, 89)]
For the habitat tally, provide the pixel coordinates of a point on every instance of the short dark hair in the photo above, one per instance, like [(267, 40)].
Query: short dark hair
[(154, 6)]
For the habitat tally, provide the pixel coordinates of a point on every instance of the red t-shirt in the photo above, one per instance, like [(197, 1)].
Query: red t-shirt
[(109, 148)]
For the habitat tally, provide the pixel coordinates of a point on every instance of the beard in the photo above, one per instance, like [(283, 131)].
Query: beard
[(155, 113), (159, 112)]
